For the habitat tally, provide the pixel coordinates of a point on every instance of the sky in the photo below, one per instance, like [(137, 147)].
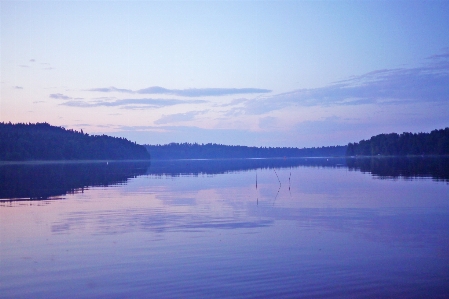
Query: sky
[(255, 73)]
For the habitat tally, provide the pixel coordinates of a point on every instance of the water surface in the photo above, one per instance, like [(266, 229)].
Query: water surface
[(294, 228)]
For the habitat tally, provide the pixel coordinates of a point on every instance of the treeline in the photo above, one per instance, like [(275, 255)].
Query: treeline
[(41, 141), (219, 151), (433, 143)]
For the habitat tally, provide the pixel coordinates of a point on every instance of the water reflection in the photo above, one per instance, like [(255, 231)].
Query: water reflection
[(403, 167), (220, 166), (383, 167), (312, 228), (49, 180), (46, 180)]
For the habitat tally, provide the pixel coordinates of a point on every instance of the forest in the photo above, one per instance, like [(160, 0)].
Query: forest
[(434, 143), (219, 151), (41, 141)]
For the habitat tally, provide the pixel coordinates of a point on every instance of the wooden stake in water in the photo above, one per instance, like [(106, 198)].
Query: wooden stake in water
[(289, 181)]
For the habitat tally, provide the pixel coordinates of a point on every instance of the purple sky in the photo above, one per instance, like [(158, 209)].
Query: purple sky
[(274, 73)]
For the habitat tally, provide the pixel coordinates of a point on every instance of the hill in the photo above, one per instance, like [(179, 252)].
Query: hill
[(219, 151), (41, 141), (433, 143)]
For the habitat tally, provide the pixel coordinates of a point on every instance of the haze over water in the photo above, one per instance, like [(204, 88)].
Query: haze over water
[(204, 229)]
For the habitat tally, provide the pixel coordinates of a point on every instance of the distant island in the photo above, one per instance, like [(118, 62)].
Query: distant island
[(220, 151), (405, 144), (435, 143), (41, 141)]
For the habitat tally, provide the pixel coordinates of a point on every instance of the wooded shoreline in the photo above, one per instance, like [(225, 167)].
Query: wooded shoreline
[(43, 142)]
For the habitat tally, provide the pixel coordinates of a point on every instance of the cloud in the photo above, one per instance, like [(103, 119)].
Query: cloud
[(131, 103), (76, 104), (139, 128), (180, 117), (427, 83), (202, 92), (111, 89), (59, 96), (32, 60), (234, 102), (154, 90), (17, 87), (81, 125), (444, 55), (238, 111), (192, 92)]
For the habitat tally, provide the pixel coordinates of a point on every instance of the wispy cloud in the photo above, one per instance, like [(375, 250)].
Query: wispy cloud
[(179, 117), (111, 89), (139, 128), (234, 102), (444, 55), (131, 103), (81, 125), (202, 92), (428, 83), (191, 92), (17, 87), (60, 96)]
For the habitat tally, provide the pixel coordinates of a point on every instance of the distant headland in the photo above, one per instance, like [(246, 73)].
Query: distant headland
[(435, 143), (41, 141)]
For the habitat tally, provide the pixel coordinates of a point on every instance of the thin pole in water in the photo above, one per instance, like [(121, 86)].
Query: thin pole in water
[(256, 180), (289, 180)]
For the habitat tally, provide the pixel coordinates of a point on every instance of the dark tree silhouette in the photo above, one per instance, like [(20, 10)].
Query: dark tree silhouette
[(433, 143), (41, 141), (219, 151)]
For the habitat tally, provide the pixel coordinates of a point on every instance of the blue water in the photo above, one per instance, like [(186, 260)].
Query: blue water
[(157, 232)]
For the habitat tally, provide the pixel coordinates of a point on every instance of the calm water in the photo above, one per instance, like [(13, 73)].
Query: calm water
[(295, 228)]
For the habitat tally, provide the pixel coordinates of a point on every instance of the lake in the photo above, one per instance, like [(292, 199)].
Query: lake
[(249, 228)]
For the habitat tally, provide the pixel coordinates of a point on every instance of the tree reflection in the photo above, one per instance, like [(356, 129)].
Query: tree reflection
[(47, 180)]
